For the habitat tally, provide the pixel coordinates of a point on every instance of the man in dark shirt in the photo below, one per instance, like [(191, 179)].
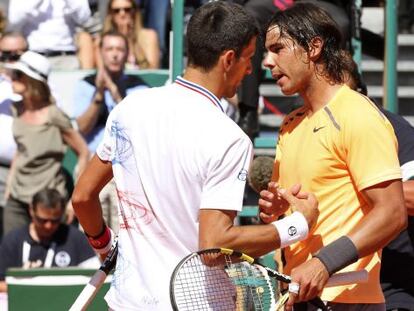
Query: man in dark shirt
[(397, 268), (46, 242)]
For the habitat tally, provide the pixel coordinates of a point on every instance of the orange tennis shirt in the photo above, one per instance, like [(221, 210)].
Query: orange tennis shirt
[(341, 149)]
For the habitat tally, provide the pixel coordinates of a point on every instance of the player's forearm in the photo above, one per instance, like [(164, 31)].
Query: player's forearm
[(379, 228), (385, 220), (217, 230), (89, 213), (408, 188)]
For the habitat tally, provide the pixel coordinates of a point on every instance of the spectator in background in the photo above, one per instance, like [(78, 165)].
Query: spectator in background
[(46, 241), (87, 37), (156, 18), (12, 46), (49, 26), (125, 17), (96, 95), (260, 173), (41, 131)]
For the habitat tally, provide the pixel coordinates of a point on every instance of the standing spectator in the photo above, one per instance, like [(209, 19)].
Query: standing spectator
[(180, 166), (46, 241), (41, 131), (49, 26), (96, 95), (340, 147), (12, 46), (125, 17)]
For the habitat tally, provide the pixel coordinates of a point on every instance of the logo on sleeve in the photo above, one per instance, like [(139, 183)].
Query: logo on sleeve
[(242, 175)]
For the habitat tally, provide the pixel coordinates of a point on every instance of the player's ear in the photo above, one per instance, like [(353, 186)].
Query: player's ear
[(228, 59), (31, 210), (315, 48)]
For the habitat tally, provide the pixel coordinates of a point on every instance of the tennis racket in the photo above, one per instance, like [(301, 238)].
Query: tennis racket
[(92, 288), (224, 279)]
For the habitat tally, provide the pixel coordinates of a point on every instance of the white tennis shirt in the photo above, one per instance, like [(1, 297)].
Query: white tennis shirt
[(173, 152)]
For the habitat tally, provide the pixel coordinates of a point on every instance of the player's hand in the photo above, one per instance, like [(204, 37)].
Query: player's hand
[(303, 202), (312, 277), (272, 204)]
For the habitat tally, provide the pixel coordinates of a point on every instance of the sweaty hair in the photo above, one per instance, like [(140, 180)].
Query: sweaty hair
[(305, 21), (217, 27), (50, 198)]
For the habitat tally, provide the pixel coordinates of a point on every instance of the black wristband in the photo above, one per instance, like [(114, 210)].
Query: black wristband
[(338, 254)]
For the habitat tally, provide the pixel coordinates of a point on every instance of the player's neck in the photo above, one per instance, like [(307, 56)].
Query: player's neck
[(319, 94), (207, 80)]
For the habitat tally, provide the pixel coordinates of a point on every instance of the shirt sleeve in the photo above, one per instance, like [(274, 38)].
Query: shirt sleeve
[(77, 10), (226, 176), (370, 147), (106, 148), (8, 257), (59, 118), (19, 15)]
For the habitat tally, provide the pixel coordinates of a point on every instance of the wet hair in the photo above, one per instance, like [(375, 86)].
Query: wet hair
[(304, 22), (50, 198), (217, 27)]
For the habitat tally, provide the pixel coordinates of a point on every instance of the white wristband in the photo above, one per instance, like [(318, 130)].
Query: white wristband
[(291, 229)]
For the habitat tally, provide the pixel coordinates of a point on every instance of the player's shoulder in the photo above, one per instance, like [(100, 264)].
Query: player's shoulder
[(292, 118)]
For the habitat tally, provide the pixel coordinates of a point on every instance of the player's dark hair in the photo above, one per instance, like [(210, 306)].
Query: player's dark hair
[(305, 21), (50, 198), (217, 27)]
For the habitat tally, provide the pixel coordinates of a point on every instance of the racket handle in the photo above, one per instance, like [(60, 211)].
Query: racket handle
[(89, 292), (345, 278)]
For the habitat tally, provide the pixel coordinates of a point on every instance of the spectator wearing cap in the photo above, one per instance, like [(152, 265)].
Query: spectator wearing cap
[(41, 131), (12, 46), (50, 26)]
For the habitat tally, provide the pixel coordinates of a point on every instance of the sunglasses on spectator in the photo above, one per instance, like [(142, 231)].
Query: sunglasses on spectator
[(10, 56), (118, 10), (43, 221)]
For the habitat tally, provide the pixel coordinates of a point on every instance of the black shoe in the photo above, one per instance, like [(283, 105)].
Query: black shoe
[(249, 123)]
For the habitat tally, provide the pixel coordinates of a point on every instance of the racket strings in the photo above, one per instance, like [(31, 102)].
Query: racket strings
[(222, 285)]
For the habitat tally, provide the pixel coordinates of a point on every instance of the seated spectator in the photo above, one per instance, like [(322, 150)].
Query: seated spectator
[(12, 46), (96, 95), (125, 17), (87, 37), (41, 131), (46, 241), (49, 26)]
